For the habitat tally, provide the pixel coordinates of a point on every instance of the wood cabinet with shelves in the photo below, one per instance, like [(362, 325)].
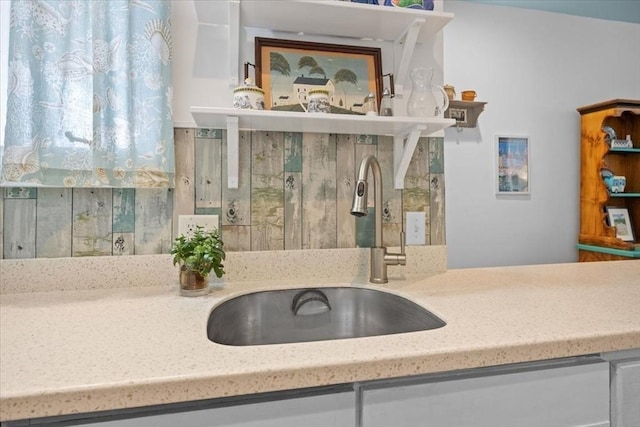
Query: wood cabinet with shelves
[(597, 239)]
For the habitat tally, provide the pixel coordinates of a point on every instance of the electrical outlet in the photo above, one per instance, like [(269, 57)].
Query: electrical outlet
[(187, 223), (415, 228)]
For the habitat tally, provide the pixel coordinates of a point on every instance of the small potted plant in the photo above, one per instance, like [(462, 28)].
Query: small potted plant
[(198, 254)]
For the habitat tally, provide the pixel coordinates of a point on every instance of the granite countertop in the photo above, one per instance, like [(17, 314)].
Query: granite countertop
[(85, 350)]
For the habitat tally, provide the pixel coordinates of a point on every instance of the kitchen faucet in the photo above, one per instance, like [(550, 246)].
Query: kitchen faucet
[(380, 259)]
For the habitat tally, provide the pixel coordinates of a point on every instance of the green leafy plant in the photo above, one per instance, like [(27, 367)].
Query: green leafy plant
[(200, 252)]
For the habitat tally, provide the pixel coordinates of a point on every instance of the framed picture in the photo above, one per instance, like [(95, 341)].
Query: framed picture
[(459, 114), (620, 219), (288, 69), (512, 165)]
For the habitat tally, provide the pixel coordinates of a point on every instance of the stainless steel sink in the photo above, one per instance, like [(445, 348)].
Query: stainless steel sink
[(315, 314)]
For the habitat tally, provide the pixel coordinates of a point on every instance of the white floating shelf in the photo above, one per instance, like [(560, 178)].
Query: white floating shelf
[(405, 130), (340, 18), (403, 26)]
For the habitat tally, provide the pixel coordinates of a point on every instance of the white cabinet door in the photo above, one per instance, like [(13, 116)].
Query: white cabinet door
[(552, 396), (335, 410), (625, 394)]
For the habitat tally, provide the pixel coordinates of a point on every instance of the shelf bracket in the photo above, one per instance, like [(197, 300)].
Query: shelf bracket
[(409, 38), (234, 42), (403, 151), (233, 150)]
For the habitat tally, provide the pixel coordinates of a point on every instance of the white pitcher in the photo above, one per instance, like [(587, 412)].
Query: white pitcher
[(422, 102)]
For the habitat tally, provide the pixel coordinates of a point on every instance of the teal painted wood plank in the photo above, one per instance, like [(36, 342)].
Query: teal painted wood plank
[(293, 152), (319, 229), (92, 221), (53, 223), (184, 194), (392, 217), (293, 210), (236, 202), (123, 244), (19, 228), (267, 191), (124, 208), (208, 172), (610, 251), (154, 210), (436, 155), (20, 193), (365, 229), (437, 210), (345, 186)]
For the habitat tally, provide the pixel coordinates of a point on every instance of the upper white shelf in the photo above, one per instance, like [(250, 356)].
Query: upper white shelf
[(340, 18), (267, 120)]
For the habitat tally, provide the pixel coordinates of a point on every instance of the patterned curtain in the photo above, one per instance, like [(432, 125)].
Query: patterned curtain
[(89, 94)]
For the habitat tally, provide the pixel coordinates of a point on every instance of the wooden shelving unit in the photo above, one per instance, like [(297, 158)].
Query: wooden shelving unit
[(597, 240)]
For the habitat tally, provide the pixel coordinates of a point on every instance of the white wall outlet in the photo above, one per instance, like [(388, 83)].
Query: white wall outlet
[(415, 228), (187, 223)]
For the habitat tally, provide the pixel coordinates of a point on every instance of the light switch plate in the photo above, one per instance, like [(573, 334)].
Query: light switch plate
[(415, 228), (187, 223)]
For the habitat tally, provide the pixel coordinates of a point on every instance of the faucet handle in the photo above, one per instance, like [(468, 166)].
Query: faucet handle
[(403, 241)]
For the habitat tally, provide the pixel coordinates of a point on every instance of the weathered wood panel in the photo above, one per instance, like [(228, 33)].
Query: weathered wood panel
[(437, 224), (1, 226), (293, 190), (415, 196), (19, 228), (392, 216), (154, 210), (53, 222), (123, 243), (345, 186), (236, 202), (208, 173), (236, 238), (293, 210), (319, 193), (267, 191), (437, 191), (184, 193), (92, 221), (124, 208), (365, 226)]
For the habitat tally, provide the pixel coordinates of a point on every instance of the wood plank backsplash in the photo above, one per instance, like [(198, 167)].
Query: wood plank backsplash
[(295, 193)]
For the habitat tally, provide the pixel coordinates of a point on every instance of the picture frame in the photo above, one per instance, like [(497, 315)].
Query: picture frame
[(620, 219), (513, 167), (287, 69), (459, 114)]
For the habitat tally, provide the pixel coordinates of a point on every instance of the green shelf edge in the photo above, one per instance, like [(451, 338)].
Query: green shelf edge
[(629, 195), (624, 150), (610, 251)]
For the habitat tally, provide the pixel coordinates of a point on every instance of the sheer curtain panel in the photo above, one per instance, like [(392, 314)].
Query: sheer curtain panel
[(89, 94)]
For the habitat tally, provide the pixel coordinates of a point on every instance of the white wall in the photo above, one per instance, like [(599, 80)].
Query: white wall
[(534, 69)]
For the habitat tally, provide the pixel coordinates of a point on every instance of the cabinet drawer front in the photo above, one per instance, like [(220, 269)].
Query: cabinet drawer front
[(576, 395), (625, 394)]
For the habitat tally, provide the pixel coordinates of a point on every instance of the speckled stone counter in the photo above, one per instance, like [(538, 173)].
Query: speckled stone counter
[(85, 349)]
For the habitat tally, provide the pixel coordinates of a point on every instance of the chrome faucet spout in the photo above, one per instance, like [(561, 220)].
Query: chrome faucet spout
[(380, 259)]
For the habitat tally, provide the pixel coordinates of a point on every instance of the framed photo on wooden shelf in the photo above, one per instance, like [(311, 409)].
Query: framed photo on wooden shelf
[(620, 219), (288, 69), (512, 174)]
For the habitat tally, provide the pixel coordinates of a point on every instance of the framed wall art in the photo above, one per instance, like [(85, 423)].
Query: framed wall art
[(512, 174), (288, 69), (620, 219)]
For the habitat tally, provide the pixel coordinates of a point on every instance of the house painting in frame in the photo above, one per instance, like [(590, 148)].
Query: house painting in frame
[(288, 69)]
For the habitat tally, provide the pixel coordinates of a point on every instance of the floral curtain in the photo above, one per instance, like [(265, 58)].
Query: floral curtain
[(89, 94)]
